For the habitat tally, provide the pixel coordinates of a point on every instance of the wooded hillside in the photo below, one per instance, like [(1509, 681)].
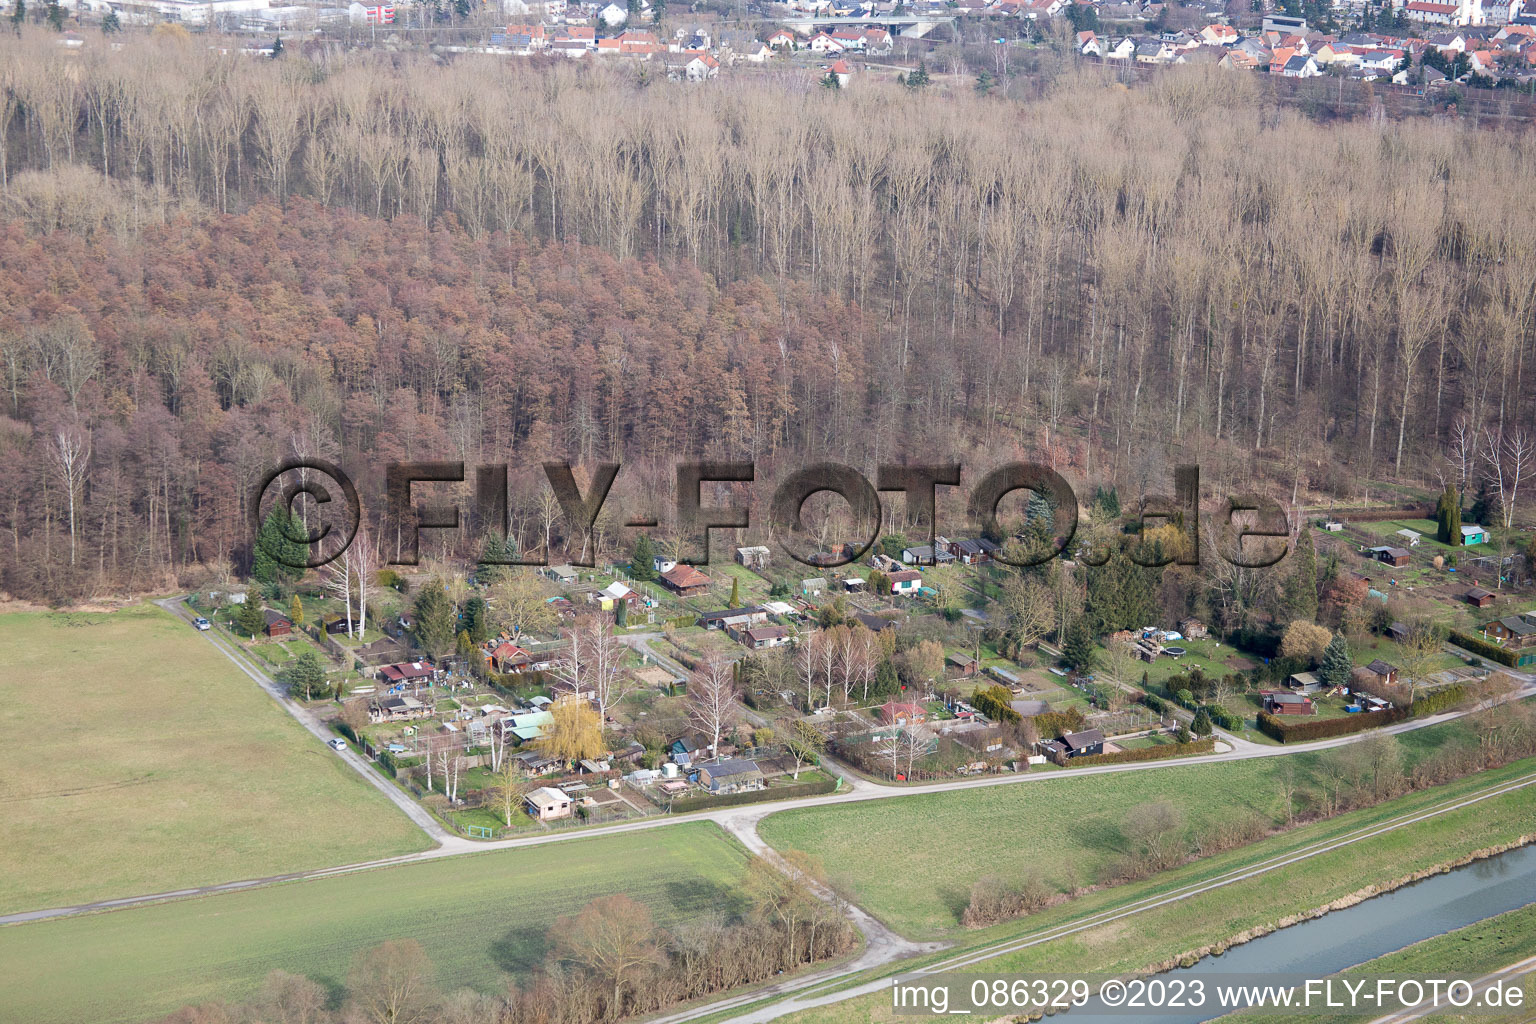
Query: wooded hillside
[(210, 262)]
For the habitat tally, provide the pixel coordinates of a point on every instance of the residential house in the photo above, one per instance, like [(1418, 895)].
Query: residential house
[(1300, 66), (823, 43), (1384, 673), (850, 39), (1388, 555), (1512, 630), (1433, 12), (1478, 597), (734, 775), (277, 624), (843, 73), (1084, 744), (754, 51), (1088, 45), (1123, 48), (613, 15), (1219, 35), (1277, 703), (755, 557), (696, 67), (902, 713), (685, 581), (547, 803), (908, 581), (784, 39), (762, 637), (1379, 61), (533, 36), (1153, 51), (877, 41)]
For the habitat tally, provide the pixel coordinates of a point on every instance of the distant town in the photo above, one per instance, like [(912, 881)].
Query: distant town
[(1416, 44)]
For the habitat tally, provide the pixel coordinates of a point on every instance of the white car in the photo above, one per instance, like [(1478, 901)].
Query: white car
[(202, 623), (337, 744)]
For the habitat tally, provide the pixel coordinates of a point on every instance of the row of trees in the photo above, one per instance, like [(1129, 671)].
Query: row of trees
[(609, 961), (749, 271)]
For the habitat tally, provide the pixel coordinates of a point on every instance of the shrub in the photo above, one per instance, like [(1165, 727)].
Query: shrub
[(1439, 700), (699, 803), (1322, 728), (1491, 651), (996, 703), (1054, 724), (1225, 719)]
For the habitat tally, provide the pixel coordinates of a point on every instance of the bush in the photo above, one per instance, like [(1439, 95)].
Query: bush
[(1158, 753), (700, 803), (1491, 651), (996, 703), (1054, 724), (1225, 719), (1155, 703), (1275, 727), (1440, 700)]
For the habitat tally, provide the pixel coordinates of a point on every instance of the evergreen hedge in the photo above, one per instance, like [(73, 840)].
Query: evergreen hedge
[(1276, 727), (701, 803), (1491, 651)]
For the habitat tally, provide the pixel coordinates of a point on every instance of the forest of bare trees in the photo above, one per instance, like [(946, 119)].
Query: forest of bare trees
[(209, 263)]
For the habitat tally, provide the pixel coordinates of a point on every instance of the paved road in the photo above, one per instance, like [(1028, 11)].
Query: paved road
[(881, 944), (797, 995), (1513, 972), (310, 721)]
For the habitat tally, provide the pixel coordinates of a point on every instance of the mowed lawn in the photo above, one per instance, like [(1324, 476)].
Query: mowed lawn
[(140, 760), (483, 919), (911, 861)]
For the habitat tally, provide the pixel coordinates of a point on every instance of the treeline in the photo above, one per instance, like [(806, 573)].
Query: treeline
[(608, 962), (580, 265)]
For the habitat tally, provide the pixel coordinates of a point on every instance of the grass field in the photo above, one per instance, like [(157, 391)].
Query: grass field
[(1066, 829), (1166, 932), (140, 760), (481, 918)]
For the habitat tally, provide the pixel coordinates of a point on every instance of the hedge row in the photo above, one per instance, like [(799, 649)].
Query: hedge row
[(701, 803), (1157, 753), (1225, 719), (1491, 651), (1440, 700), (1298, 731)]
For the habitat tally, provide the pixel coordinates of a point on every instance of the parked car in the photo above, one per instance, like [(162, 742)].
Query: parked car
[(202, 623), (338, 744)]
